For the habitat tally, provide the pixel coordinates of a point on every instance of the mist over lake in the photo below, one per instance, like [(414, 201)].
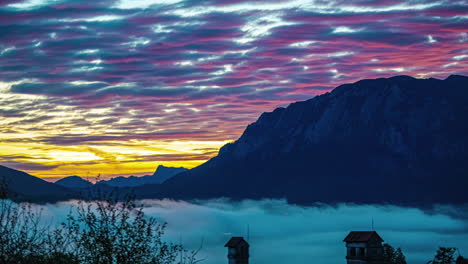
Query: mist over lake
[(280, 232)]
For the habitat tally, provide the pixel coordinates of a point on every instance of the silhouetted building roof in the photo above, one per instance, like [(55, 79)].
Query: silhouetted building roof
[(361, 236), (235, 242)]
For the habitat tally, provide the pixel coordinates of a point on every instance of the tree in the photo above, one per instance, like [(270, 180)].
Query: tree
[(392, 256), (98, 232), (108, 232), (444, 256), (21, 235)]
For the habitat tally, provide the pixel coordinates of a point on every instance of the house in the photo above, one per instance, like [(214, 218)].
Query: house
[(238, 251), (364, 247)]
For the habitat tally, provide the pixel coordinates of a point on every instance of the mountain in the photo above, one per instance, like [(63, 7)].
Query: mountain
[(164, 173), (161, 174), (74, 182), (395, 140), (22, 186)]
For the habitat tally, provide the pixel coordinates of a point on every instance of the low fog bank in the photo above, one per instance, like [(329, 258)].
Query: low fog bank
[(283, 233)]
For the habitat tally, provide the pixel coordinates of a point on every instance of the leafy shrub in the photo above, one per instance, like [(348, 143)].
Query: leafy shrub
[(104, 231)]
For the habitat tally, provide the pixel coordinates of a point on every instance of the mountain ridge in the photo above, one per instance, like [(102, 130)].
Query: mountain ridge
[(22, 186), (160, 175), (388, 135), (74, 182)]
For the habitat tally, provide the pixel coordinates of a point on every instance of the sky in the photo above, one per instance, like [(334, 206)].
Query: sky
[(305, 234), (117, 87)]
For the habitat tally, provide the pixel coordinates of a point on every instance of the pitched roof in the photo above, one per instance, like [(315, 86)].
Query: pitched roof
[(361, 236), (235, 241)]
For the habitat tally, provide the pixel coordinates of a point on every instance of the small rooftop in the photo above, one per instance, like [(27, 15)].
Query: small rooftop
[(361, 236), (235, 242)]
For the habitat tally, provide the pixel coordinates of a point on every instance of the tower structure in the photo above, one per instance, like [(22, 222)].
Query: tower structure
[(238, 251), (364, 247)]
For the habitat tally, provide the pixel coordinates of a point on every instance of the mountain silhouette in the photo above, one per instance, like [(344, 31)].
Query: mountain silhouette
[(396, 140), (22, 186), (74, 182), (161, 175)]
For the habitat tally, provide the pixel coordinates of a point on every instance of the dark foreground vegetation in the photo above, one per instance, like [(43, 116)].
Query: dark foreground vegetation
[(443, 256), (104, 231)]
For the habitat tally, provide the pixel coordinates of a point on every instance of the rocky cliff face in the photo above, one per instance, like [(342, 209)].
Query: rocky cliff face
[(399, 139), (406, 116)]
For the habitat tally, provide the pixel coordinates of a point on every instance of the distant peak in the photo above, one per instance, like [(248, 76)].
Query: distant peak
[(402, 78), (74, 182), (168, 167), (68, 177), (74, 177), (455, 77)]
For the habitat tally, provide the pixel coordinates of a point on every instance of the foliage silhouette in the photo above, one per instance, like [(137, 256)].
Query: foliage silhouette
[(392, 256), (106, 231), (444, 256)]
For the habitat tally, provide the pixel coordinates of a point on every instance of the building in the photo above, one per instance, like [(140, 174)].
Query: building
[(364, 247), (238, 251)]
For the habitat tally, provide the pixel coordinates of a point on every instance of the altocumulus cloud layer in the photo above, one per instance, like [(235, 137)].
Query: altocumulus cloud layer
[(139, 73), (282, 233)]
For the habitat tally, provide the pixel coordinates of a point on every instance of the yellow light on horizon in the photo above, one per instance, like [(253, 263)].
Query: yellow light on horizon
[(110, 158)]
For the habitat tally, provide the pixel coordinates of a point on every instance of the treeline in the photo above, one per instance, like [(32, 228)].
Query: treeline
[(443, 255), (105, 231)]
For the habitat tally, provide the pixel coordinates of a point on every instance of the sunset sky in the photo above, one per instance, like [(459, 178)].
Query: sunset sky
[(118, 87)]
